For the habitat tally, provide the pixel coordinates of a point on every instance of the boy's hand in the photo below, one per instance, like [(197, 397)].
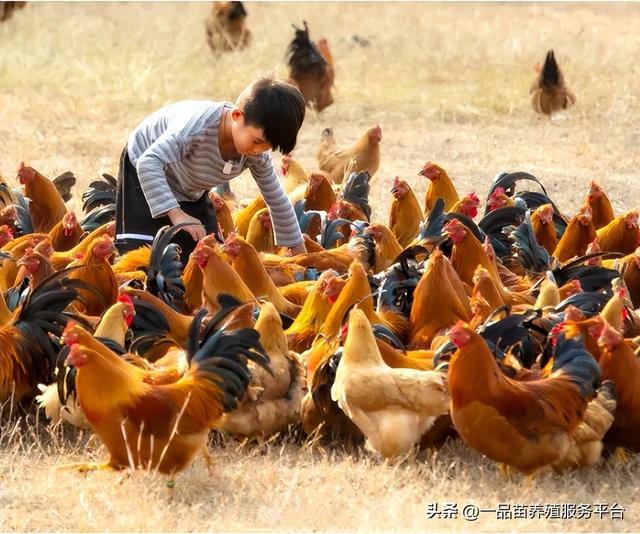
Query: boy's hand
[(196, 230), (299, 249)]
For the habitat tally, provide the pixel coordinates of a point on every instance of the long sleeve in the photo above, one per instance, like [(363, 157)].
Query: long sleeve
[(151, 165), (285, 223)]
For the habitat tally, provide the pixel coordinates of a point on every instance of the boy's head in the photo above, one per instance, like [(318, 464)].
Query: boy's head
[(268, 115)]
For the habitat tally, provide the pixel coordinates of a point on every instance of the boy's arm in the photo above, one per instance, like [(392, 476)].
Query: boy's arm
[(151, 164), (285, 223)]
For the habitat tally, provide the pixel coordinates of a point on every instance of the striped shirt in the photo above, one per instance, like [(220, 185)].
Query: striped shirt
[(175, 151)]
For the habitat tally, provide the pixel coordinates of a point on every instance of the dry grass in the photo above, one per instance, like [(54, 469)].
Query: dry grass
[(447, 82)]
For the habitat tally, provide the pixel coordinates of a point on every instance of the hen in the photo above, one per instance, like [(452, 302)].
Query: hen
[(225, 27)]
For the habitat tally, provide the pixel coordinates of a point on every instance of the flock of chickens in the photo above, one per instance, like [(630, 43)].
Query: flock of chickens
[(515, 332)]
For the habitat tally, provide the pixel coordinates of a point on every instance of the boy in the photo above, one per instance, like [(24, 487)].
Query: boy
[(178, 153)]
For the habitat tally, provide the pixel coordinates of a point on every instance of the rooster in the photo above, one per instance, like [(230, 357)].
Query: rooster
[(393, 408), (577, 236), (278, 393), (225, 27), (549, 92), (310, 70), (66, 234), (526, 425), (621, 234), (27, 344), (363, 155), (163, 427)]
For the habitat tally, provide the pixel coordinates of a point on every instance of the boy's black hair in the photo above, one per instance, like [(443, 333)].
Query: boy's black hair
[(278, 108)]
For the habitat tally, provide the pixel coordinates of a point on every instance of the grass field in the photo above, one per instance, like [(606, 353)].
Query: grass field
[(447, 83)]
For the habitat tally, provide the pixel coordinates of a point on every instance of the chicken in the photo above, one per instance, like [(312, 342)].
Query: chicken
[(363, 155), (279, 392), (577, 236), (549, 92), (440, 186), (225, 27), (499, 199), (542, 222), (260, 232), (26, 348), (46, 206), (295, 177), (387, 246), (310, 70), (468, 205), (439, 283), (621, 365), (242, 218), (246, 262), (601, 208), (223, 214), (66, 234), (526, 425), (632, 276), (218, 277), (169, 423), (319, 194), (314, 312), (405, 215), (392, 407), (97, 272), (61, 260), (111, 331), (621, 234)]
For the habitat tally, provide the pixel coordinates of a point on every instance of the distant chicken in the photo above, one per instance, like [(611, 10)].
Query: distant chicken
[(7, 8), (405, 215), (363, 155), (310, 69), (225, 27), (549, 92), (393, 408)]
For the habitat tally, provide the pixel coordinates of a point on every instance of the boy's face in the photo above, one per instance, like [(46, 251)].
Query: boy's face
[(248, 140)]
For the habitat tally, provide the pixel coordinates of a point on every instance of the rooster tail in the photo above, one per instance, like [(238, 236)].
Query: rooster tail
[(64, 183), (222, 357), (164, 276), (571, 359), (550, 72), (100, 193), (303, 56)]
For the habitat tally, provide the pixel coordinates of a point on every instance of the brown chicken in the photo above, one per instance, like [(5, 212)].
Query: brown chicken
[(619, 364), (405, 215), (97, 272), (363, 155), (526, 425), (242, 218), (260, 232), (601, 208), (387, 246), (577, 235), (543, 227), (223, 214), (499, 199), (66, 234), (7, 9), (468, 205), (169, 423), (393, 408), (319, 194), (310, 69), (61, 260), (46, 206), (274, 397), (621, 234), (549, 92), (439, 284), (440, 186), (246, 262), (226, 27)]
